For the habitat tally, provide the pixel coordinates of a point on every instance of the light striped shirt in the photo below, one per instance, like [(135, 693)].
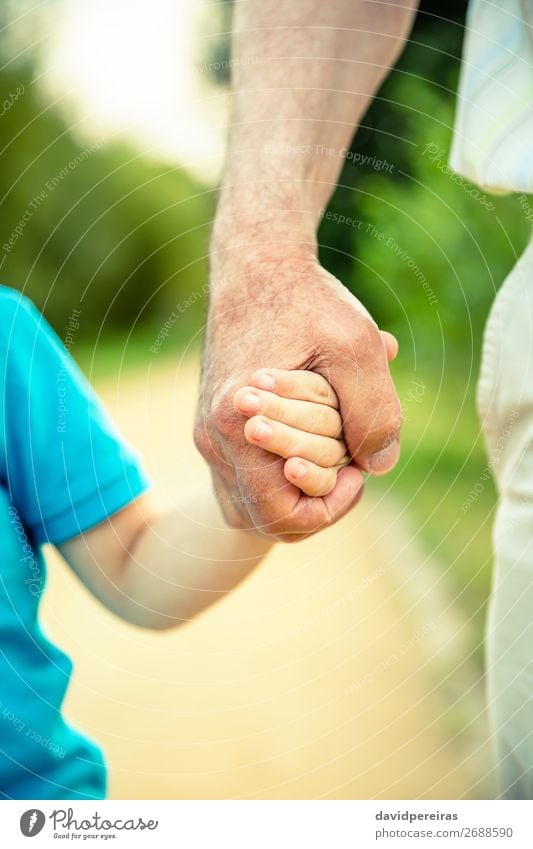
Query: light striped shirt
[(493, 133)]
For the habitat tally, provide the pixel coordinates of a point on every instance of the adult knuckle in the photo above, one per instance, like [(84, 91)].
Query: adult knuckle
[(221, 416), (226, 424), (349, 351), (202, 440)]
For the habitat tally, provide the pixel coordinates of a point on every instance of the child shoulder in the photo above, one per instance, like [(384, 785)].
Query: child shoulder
[(21, 323), (12, 297), (13, 304)]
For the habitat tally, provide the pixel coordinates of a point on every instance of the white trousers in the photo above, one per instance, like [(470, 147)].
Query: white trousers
[(505, 404)]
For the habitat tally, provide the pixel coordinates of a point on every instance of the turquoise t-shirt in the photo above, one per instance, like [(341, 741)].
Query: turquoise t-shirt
[(63, 469)]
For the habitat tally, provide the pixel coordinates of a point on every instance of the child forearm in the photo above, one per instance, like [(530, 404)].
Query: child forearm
[(159, 569), (183, 562)]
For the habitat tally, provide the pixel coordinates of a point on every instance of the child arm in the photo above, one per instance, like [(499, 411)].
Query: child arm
[(75, 484), (158, 570)]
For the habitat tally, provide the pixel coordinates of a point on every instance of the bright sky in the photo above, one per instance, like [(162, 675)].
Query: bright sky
[(135, 67)]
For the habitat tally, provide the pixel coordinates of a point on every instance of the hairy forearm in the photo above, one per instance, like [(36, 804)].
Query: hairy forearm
[(184, 561), (303, 76)]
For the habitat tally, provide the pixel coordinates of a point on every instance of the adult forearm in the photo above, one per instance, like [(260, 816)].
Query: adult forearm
[(303, 76), (304, 73)]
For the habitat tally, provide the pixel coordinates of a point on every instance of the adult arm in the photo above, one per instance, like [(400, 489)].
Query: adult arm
[(303, 76)]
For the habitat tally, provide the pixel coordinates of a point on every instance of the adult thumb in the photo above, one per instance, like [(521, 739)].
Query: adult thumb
[(369, 405)]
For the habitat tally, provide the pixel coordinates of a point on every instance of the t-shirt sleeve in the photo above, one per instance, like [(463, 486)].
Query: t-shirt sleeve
[(66, 467)]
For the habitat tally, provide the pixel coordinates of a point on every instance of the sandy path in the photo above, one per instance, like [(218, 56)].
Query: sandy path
[(311, 681)]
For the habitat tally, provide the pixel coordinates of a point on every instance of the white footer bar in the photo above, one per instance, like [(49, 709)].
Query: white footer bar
[(268, 824)]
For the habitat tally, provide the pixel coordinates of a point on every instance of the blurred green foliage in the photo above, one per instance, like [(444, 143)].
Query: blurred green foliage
[(95, 226), (420, 229)]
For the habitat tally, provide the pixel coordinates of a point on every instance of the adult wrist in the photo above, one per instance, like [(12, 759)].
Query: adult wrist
[(244, 224), (263, 208), (245, 258), (244, 236)]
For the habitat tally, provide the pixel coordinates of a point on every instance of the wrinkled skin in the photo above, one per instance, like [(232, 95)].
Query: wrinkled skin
[(291, 314)]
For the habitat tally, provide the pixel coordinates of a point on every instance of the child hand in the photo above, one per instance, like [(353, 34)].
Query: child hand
[(295, 414)]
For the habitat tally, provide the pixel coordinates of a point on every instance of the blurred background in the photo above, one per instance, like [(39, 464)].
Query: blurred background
[(350, 666)]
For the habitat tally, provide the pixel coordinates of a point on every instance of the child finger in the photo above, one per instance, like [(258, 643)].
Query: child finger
[(305, 415), (299, 384), (311, 479), (288, 441)]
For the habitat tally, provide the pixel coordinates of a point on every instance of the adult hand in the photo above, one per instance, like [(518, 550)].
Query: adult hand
[(289, 313)]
